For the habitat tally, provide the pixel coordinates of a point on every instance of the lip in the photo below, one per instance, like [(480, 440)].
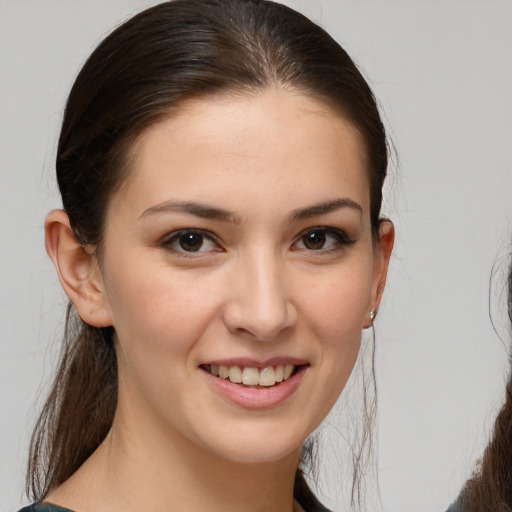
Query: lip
[(252, 397)]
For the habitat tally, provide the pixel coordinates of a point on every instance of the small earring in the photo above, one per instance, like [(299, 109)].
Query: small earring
[(372, 315)]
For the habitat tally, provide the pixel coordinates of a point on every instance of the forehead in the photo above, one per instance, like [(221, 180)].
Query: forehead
[(255, 116), (277, 138)]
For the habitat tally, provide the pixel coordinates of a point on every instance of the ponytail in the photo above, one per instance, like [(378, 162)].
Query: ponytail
[(80, 407)]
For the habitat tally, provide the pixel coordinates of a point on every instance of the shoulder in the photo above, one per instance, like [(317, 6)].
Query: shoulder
[(305, 497), (44, 507), (310, 505)]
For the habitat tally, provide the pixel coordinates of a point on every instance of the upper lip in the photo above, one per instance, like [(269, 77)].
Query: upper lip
[(257, 363)]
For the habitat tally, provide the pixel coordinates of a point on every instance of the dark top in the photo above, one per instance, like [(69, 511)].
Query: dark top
[(42, 507)]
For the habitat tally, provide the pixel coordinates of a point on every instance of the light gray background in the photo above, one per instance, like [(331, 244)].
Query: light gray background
[(442, 71)]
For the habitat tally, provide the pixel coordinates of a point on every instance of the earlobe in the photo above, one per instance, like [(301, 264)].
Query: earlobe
[(383, 248), (77, 270)]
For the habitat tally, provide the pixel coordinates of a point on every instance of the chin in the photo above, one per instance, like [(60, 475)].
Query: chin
[(261, 455), (259, 446)]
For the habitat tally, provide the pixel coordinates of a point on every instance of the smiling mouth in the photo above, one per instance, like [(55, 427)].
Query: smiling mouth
[(254, 377)]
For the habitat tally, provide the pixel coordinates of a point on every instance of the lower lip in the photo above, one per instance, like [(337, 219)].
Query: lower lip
[(256, 398)]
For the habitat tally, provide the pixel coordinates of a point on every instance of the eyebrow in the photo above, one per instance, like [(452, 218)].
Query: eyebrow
[(325, 207), (211, 212), (198, 209)]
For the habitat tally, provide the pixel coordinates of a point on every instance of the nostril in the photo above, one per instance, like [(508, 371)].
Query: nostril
[(262, 325)]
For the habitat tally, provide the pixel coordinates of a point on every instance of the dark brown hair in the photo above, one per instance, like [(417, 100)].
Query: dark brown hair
[(490, 488), (138, 75)]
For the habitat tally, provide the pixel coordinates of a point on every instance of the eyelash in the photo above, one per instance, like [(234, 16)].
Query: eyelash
[(174, 238), (341, 239)]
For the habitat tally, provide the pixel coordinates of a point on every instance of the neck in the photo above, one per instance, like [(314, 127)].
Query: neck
[(150, 470)]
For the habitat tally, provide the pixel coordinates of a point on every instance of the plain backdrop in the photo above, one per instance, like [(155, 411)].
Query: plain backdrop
[(442, 70)]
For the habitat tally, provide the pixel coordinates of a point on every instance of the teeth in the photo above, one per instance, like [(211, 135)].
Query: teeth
[(249, 376), (267, 377), (235, 374)]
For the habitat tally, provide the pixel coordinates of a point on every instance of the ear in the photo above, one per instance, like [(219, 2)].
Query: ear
[(382, 254), (78, 270)]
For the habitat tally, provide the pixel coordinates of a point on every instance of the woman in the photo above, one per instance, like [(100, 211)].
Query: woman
[(490, 489), (221, 167)]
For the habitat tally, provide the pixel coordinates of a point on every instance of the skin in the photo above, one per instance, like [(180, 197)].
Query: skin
[(256, 288)]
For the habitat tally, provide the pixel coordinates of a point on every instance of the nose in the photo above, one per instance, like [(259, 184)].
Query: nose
[(260, 304)]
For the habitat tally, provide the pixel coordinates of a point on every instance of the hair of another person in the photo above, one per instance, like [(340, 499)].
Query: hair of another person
[(139, 75), (490, 488)]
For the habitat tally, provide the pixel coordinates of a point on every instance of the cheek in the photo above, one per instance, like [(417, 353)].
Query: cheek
[(337, 305), (336, 308), (159, 311), (159, 323)]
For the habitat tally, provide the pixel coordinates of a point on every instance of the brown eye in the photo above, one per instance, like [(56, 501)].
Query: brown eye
[(322, 238), (191, 242), (314, 240)]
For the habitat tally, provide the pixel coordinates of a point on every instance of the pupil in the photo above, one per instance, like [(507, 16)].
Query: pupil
[(191, 242), (315, 240)]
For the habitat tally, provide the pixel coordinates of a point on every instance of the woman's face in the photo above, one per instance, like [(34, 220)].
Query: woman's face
[(241, 245)]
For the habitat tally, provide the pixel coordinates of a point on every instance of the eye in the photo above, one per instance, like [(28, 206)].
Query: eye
[(190, 241), (322, 239)]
